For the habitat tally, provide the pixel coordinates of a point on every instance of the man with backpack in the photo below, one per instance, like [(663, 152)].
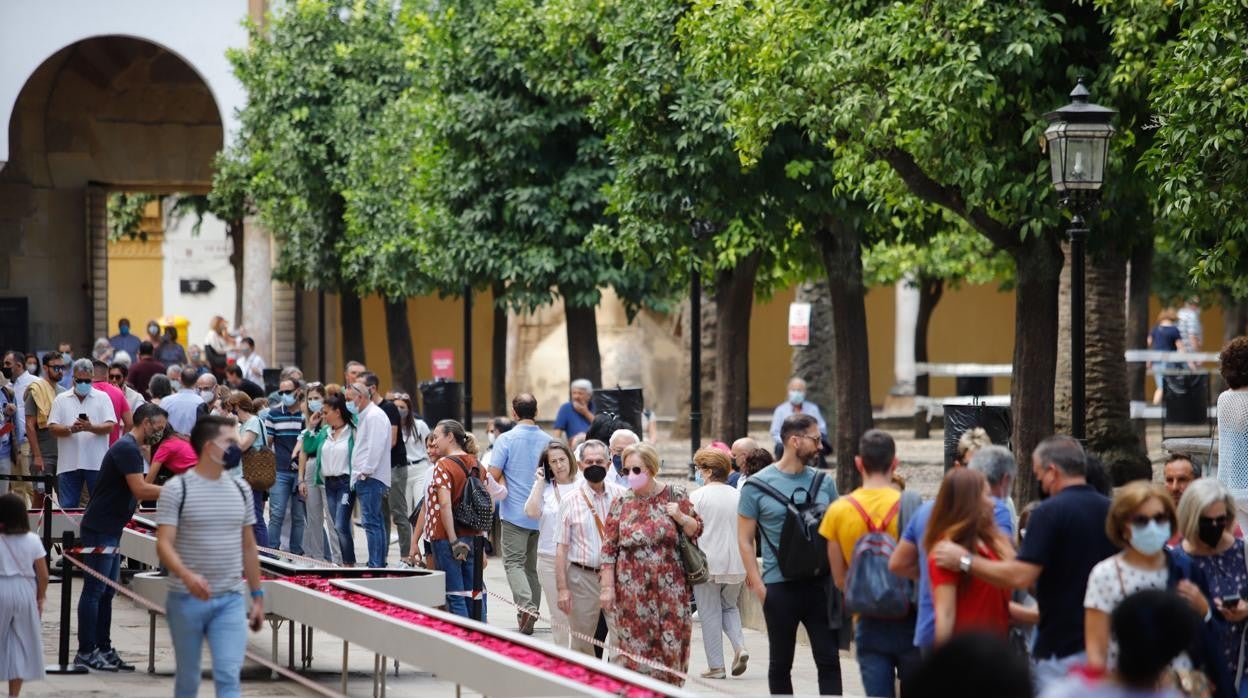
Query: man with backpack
[(784, 502), (862, 530)]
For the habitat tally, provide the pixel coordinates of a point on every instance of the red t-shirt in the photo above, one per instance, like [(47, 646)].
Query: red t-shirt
[(120, 406), (981, 606), (175, 455)]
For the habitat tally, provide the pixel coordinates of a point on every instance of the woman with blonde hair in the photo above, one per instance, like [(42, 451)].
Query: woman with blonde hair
[(1165, 336), (644, 589), (716, 502)]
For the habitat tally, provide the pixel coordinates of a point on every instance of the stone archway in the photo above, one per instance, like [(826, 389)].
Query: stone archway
[(103, 113)]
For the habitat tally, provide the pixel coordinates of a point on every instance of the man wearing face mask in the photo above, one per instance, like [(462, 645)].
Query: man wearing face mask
[(796, 404), (1065, 539), (123, 340), (513, 461), (113, 500), (206, 387), (620, 440), (202, 518), (582, 524), (282, 426), (81, 420)]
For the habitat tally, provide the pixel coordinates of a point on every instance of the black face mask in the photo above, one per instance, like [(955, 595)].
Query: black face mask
[(1210, 532), (8, 372), (595, 473)]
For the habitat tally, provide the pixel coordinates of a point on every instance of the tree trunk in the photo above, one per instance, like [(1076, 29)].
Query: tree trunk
[(813, 362), (840, 245), (930, 291), (234, 231), (498, 355), (681, 427), (1111, 435), (1234, 318), (1038, 261), (352, 318), (1138, 292), (734, 302), (584, 361), (399, 343)]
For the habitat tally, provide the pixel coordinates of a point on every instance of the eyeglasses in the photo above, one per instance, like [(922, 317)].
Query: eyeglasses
[(1142, 520), (634, 470), (314, 384), (116, 377), (816, 439)]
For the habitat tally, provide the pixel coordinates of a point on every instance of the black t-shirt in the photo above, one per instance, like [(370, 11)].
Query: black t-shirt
[(112, 504), (252, 390), (398, 452), (1066, 536)]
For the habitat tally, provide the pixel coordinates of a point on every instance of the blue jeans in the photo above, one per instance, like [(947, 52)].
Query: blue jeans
[(886, 652), (458, 577), (95, 606), (1046, 672), (69, 486), (371, 493), (285, 492), (336, 488), (261, 531), (223, 620)]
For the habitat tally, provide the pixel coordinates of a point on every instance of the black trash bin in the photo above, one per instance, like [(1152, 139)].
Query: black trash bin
[(973, 386), (442, 399), (959, 418), (625, 403)]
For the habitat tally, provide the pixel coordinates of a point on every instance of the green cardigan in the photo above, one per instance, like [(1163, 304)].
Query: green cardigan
[(313, 442)]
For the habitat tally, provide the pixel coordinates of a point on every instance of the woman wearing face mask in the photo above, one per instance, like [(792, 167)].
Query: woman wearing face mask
[(717, 503), (32, 365), (171, 455), (316, 542), (335, 445), (413, 431), (1141, 517), (217, 346), (543, 504), (643, 584), (250, 438), (1206, 520)]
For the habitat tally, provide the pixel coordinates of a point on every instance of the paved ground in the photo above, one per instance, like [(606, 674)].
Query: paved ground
[(921, 465)]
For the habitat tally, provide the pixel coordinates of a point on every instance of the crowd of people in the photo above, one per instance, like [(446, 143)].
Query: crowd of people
[(621, 556)]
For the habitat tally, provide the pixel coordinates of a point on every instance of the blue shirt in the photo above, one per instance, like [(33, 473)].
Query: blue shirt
[(10, 438), (571, 422), (517, 453), (184, 408), (785, 410), (769, 513), (916, 529), (127, 343)]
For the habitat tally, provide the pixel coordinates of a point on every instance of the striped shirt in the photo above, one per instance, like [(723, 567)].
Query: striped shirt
[(577, 526), (210, 516), (283, 428)]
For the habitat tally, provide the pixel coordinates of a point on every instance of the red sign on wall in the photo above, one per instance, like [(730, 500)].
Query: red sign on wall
[(443, 363)]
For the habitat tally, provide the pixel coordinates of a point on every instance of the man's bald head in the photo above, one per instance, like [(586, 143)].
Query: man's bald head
[(742, 448)]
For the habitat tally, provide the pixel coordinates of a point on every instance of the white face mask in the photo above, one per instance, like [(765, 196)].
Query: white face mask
[(491, 437), (208, 395)]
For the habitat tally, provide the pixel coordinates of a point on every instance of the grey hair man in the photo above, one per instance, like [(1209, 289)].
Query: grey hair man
[(795, 403), (81, 419), (574, 416), (999, 467), (620, 440)]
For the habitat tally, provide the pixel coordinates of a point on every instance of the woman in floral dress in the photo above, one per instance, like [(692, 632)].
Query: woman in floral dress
[(644, 591)]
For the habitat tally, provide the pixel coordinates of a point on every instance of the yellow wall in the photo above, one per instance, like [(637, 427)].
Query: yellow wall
[(136, 276)]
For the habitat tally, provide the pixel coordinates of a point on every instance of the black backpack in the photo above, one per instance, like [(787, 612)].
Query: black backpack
[(802, 553), (475, 508)]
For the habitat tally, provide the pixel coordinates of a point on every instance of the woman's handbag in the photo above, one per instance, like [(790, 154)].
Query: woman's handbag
[(260, 465), (697, 570)]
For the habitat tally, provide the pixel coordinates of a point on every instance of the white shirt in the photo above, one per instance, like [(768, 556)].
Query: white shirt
[(548, 524), (252, 367), (372, 446), (1113, 580), (134, 398), (577, 528), (18, 552), (334, 453), (716, 503), (84, 450)]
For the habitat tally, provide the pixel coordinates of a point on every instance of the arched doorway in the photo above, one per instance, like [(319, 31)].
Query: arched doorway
[(104, 113)]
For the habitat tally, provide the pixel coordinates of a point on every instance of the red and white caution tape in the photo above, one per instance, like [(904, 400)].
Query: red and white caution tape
[(96, 550)]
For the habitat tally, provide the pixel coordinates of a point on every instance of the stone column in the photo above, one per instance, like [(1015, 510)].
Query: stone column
[(258, 289), (907, 316)]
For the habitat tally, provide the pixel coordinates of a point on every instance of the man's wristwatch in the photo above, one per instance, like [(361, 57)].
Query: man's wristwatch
[(964, 564)]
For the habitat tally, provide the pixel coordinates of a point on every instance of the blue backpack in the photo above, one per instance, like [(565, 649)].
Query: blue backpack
[(870, 589)]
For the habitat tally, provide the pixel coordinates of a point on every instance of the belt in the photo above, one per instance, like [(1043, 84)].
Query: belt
[(404, 464), (587, 568), (335, 478)]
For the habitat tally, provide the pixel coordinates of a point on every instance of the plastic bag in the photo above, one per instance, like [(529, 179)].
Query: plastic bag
[(959, 418)]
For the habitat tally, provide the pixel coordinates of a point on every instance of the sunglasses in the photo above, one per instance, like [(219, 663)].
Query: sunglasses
[(56, 367), (1142, 520), (81, 381), (1219, 521), (285, 392), (116, 377), (635, 470)]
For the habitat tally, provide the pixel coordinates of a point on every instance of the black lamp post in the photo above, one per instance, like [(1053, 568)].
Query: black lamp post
[(1078, 142)]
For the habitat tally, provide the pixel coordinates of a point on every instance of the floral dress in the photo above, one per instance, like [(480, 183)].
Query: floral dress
[(1227, 575), (651, 617)]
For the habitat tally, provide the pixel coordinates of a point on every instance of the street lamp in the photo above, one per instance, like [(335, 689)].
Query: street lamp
[(1078, 142)]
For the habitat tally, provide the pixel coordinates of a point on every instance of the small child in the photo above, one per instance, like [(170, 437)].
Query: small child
[(23, 586)]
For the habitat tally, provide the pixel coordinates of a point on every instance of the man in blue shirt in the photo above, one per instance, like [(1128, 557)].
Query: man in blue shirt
[(795, 404), (514, 461), (282, 427), (574, 416), (124, 341)]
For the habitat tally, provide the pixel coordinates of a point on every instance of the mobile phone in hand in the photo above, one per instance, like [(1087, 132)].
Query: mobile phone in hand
[(83, 417), (1231, 601)]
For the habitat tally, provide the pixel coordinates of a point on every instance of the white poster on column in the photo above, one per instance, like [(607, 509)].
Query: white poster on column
[(799, 324)]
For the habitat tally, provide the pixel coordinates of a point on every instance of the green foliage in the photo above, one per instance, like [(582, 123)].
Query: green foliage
[(125, 214), (955, 256), (316, 79), (1200, 157)]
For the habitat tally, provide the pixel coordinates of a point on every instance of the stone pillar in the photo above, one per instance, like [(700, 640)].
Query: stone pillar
[(907, 316), (258, 289)]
